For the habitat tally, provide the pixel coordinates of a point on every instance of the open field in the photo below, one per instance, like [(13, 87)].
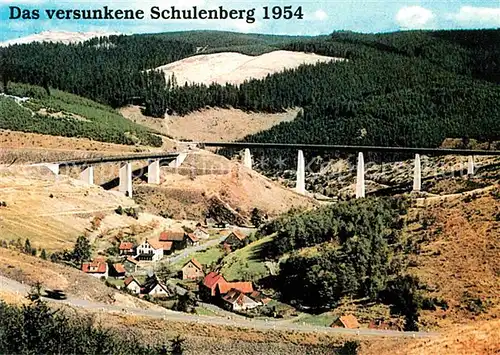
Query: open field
[(475, 338), (245, 263), (52, 212), (235, 68)]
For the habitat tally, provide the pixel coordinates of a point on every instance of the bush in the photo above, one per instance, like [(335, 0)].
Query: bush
[(349, 348), (37, 329)]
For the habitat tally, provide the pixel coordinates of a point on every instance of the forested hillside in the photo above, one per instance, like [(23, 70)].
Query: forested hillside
[(58, 113), (410, 88)]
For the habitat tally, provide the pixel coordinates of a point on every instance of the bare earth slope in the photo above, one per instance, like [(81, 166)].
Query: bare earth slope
[(207, 183), (51, 211), (458, 247), (478, 338), (235, 68), (213, 124)]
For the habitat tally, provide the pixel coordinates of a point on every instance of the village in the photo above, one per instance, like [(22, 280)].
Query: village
[(135, 270), (163, 270)]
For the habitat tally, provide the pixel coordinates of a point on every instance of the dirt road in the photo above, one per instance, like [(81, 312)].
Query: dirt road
[(16, 287)]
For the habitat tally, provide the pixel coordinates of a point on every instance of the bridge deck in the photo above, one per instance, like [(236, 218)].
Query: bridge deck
[(117, 158), (350, 148)]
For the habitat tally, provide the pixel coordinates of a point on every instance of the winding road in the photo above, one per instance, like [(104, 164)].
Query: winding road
[(10, 285)]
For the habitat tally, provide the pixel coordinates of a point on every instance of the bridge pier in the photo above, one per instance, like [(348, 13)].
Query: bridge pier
[(300, 187), (125, 185), (87, 175), (178, 160), (417, 174), (154, 172), (470, 165), (360, 179), (247, 159)]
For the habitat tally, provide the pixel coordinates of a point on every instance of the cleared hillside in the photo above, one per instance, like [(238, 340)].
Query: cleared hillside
[(457, 248), (211, 124), (235, 68), (52, 212), (208, 184)]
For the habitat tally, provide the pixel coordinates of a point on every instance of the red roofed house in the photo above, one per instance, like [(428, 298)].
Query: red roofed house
[(235, 240), (132, 285), (126, 248), (96, 268), (209, 285), (241, 286), (236, 300), (118, 271), (192, 270), (348, 321)]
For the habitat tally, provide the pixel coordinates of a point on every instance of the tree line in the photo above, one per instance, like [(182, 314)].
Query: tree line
[(35, 328), (350, 249)]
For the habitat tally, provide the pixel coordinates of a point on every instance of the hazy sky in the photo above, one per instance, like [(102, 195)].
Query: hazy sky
[(320, 17)]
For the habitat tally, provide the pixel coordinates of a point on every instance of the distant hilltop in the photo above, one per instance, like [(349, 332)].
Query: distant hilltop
[(58, 36)]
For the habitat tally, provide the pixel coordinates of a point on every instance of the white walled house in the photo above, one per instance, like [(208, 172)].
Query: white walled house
[(201, 233), (150, 250), (132, 285), (97, 268)]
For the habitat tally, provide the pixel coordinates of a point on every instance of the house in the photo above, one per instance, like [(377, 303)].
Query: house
[(126, 248), (242, 286), (347, 321), (236, 300), (153, 287), (192, 270), (192, 240), (132, 285), (177, 238), (118, 271), (130, 264), (235, 240), (201, 233), (209, 285), (150, 250), (168, 247), (96, 268)]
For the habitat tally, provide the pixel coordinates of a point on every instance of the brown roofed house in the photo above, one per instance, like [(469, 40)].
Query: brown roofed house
[(192, 240), (192, 270), (132, 285), (235, 240), (347, 321), (177, 238), (118, 271), (236, 300), (201, 233)]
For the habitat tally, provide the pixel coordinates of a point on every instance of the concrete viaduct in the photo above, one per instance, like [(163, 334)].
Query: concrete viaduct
[(176, 159)]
